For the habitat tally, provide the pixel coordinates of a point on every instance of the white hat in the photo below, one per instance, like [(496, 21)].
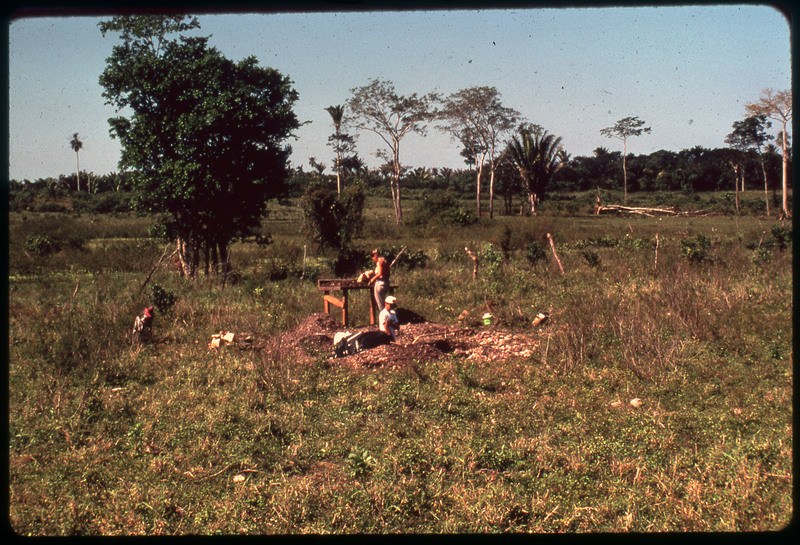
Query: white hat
[(390, 300)]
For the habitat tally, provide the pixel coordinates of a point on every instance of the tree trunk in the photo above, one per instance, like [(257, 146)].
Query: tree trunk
[(625, 170), (491, 194), (785, 203), (225, 266), (195, 257), (183, 258), (209, 257), (479, 169), (736, 184), (398, 210), (533, 199), (766, 191), (338, 171)]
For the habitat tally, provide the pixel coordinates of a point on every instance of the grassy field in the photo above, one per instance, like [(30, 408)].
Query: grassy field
[(692, 317)]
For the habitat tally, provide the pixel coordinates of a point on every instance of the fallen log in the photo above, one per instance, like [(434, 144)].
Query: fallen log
[(644, 211)]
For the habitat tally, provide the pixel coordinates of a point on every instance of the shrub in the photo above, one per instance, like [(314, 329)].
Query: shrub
[(695, 250), (330, 219), (441, 207), (163, 300), (761, 255), (782, 236), (491, 258), (591, 257), (535, 252), (110, 203), (50, 207), (350, 261), (41, 245)]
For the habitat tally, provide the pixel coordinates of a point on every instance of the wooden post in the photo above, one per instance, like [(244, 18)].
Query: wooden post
[(655, 265), (553, 247), (474, 263)]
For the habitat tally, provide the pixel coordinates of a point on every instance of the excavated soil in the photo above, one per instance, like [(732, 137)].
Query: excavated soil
[(419, 340)]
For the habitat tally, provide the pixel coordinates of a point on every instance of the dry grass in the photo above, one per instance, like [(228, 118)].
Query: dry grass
[(173, 438)]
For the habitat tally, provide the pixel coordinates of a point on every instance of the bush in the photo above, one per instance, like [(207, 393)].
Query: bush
[(109, 203), (535, 252), (491, 258), (440, 207), (41, 245), (50, 207), (163, 300), (330, 219), (350, 261), (591, 257), (695, 250), (761, 255), (782, 236)]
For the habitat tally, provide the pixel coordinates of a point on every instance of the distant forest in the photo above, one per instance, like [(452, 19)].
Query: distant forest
[(692, 170)]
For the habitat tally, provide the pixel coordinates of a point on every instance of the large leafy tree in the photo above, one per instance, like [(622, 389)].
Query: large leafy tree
[(477, 118), (204, 136), (778, 107), (379, 109), (622, 130), (535, 154)]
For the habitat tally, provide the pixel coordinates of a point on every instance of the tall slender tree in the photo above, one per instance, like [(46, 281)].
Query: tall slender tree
[(379, 109), (478, 119), (778, 107), (341, 142), (748, 134), (622, 130), (76, 146)]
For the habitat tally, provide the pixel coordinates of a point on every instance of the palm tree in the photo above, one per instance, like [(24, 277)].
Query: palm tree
[(76, 146), (536, 158), (337, 114)]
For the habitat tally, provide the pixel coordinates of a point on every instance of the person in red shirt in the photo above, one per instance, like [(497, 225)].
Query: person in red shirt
[(380, 279)]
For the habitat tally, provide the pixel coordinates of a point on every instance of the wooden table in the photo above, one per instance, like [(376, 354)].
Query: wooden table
[(345, 285)]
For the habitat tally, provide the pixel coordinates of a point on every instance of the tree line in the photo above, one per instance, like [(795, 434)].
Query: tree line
[(204, 143)]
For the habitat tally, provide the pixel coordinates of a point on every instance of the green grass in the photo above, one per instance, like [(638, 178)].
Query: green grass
[(107, 438)]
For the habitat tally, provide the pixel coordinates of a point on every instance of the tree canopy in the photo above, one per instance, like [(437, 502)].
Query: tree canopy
[(477, 118), (204, 136), (378, 108), (535, 152), (778, 107), (622, 130)]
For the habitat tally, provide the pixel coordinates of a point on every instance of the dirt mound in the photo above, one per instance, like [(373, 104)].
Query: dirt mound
[(312, 339)]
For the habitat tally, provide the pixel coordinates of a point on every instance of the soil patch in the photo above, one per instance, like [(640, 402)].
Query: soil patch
[(420, 340)]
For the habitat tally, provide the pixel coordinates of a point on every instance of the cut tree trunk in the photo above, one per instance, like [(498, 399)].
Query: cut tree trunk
[(553, 247), (644, 211)]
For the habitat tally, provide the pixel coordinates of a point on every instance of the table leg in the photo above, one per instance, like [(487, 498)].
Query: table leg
[(344, 308)]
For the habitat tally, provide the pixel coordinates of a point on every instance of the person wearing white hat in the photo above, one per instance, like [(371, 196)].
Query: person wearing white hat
[(387, 319)]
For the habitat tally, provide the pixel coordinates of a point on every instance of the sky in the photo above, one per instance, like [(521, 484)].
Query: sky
[(687, 71)]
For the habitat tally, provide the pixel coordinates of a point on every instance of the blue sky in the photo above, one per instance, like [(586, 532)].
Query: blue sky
[(687, 71)]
